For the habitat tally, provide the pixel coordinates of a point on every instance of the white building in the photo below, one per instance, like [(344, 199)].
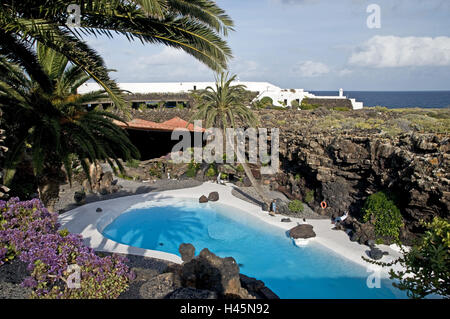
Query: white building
[(280, 97)]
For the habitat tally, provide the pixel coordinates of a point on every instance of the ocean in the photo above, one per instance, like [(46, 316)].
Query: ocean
[(396, 99)]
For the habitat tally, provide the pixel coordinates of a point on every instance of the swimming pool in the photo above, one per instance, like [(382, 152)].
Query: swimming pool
[(262, 251)]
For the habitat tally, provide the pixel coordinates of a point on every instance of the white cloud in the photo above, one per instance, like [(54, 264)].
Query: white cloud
[(393, 51), (311, 69)]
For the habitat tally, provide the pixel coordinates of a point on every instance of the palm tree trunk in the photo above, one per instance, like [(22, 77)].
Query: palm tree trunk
[(48, 186), (262, 194)]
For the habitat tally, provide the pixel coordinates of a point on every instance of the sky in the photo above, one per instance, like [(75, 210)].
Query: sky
[(310, 44)]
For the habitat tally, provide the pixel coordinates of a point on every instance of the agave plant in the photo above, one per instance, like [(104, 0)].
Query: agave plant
[(49, 124), (195, 26), (222, 107)]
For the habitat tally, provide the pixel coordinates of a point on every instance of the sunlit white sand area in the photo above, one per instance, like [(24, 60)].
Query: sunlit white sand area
[(155, 224)]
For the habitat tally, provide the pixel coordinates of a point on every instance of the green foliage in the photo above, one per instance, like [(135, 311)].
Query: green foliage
[(384, 215), (264, 103), (155, 170), (309, 198), (297, 177), (212, 171), (192, 169), (296, 206), (240, 168), (132, 163), (341, 108), (425, 268), (295, 104), (305, 105)]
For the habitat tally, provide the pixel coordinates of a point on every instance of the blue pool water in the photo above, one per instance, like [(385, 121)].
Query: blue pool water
[(263, 251)]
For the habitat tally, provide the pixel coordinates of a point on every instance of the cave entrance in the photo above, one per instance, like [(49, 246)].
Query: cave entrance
[(153, 144)]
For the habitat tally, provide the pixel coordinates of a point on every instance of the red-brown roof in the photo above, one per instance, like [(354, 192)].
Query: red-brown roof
[(168, 126)]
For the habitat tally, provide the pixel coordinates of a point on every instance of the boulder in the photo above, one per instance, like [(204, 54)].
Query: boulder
[(375, 253), (99, 210), (265, 207), (160, 286), (203, 199), (210, 272), (286, 220), (187, 252), (213, 197), (302, 231), (80, 198), (191, 293)]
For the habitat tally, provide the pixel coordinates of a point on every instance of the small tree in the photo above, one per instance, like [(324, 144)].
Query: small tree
[(384, 215), (426, 267)]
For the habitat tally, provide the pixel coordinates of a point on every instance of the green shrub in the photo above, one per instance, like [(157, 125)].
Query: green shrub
[(155, 170), (212, 171), (132, 163), (266, 101), (385, 216), (295, 104), (192, 169), (425, 267), (240, 168), (297, 177), (296, 206), (341, 108), (309, 198)]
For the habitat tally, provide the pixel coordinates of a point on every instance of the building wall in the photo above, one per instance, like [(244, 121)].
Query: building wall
[(280, 97)]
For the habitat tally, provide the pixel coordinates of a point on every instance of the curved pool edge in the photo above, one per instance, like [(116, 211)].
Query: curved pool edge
[(85, 220)]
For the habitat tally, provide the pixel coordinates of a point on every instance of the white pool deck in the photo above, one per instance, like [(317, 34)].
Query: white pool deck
[(86, 221)]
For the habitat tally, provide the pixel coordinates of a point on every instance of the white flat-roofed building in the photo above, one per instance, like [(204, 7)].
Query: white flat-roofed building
[(279, 96)]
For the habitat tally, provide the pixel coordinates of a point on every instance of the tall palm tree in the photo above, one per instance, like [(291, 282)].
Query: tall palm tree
[(49, 123), (221, 107), (195, 26)]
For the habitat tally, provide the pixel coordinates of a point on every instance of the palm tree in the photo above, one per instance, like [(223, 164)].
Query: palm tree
[(221, 108), (195, 26), (49, 123)]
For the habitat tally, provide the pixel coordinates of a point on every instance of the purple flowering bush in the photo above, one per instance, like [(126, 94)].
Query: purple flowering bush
[(30, 232)]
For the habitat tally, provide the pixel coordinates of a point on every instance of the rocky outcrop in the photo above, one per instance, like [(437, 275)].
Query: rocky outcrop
[(210, 272), (102, 183), (304, 231), (205, 276), (344, 170)]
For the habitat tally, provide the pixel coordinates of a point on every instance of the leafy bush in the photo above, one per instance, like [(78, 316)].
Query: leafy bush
[(385, 216), (425, 267), (427, 264), (266, 101), (309, 198), (132, 163), (212, 171), (28, 231), (307, 106), (192, 169), (295, 104), (296, 206)]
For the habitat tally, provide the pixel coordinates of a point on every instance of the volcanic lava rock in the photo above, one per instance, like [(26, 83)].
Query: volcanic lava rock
[(187, 252), (213, 196), (203, 199), (210, 272), (302, 231)]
